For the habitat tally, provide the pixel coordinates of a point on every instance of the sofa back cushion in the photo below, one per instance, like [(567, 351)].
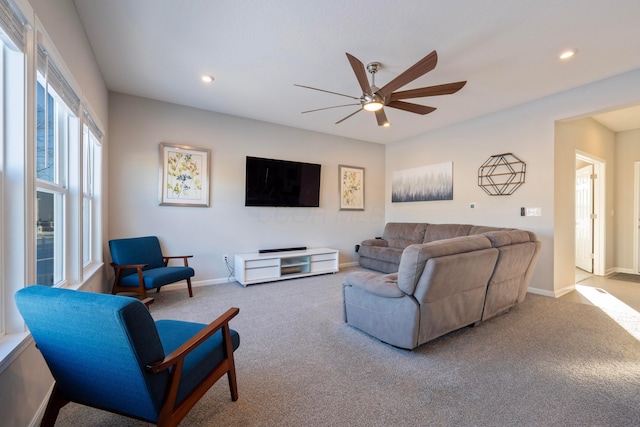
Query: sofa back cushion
[(415, 257), (399, 235), (509, 237), (481, 229), (445, 231)]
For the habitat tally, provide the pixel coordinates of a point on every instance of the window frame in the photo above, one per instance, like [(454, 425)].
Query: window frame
[(91, 172)]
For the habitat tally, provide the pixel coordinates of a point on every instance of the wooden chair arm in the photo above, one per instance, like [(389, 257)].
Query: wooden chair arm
[(178, 355), (136, 266), (184, 257)]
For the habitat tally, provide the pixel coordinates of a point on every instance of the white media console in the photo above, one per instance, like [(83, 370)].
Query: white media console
[(258, 267)]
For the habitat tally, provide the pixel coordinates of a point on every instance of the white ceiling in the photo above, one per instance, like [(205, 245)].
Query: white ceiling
[(257, 49)]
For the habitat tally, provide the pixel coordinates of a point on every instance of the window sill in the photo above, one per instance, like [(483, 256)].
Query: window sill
[(11, 346)]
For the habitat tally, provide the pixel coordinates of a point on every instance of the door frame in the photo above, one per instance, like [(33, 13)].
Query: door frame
[(599, 208), (586, 215)]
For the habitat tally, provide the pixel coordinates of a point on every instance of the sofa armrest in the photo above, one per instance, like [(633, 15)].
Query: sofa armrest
[(375, 242), (384, 285)]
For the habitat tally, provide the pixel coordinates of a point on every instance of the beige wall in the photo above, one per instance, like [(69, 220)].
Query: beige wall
[(589, 137), (138, 125), (468, 145), (627, 153), (529, 132)]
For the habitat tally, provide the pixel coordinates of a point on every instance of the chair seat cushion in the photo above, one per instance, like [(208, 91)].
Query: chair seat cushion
[(156, 277), (201, 361)]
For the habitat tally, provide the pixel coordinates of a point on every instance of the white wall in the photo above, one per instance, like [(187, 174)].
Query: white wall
[(138, 125), (528, 131)]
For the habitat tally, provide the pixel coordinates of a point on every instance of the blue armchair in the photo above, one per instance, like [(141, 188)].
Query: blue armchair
[(139, 265), (106, 351)]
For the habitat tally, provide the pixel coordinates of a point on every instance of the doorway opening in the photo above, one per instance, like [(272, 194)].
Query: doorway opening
[(590, 214)]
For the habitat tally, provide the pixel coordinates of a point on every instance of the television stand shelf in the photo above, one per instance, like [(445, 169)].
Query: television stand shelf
[(255, 267)]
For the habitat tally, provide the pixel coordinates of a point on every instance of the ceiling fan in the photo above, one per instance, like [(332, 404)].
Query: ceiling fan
[(375, 99)]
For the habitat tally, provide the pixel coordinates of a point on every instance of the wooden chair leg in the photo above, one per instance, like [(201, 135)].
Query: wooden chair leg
[(228, 352), (56, 402), (189, 286)]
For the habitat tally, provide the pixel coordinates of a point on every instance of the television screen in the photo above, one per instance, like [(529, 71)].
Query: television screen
[(271, 182)]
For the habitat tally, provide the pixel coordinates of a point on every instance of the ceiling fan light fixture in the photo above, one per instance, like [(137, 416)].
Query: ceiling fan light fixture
[(373, 105)]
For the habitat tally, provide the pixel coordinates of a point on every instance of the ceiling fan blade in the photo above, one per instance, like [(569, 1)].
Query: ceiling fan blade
[(418, 69), (327, 91), (361, 73), (327, 108), (410, 107), (445, 89), (381, 117), (352, 114)]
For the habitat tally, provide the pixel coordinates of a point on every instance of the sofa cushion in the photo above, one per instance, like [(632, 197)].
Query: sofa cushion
[(507, 237), (480, 229), (374, 242), (375, 283), (399, 235), (415, 257), (382, 254), (445, 231)]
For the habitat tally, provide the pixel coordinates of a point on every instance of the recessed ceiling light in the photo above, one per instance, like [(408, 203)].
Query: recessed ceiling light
[(207, 78), (569, 53)]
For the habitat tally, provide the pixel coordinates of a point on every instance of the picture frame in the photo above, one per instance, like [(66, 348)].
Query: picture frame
[(184, 175), (351, 187)]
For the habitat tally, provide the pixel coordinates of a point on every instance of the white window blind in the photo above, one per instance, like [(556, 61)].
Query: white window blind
[(12, 23), (92, 126), (56, 80)]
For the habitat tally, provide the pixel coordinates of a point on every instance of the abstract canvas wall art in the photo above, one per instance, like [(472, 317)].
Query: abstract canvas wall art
[(426, 183)]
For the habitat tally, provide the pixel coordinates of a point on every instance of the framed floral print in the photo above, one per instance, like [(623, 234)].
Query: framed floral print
[(184, 175), (351, 188)]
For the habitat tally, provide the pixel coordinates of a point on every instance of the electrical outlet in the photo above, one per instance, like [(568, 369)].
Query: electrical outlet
[(225, 258)]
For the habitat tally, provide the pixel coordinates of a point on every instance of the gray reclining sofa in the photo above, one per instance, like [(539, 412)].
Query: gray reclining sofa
[(442, 285)]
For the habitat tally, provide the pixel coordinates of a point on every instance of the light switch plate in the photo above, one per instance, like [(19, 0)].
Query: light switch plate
[(534, 211)]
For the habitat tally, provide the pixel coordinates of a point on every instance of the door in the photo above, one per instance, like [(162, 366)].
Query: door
[(584, 218)]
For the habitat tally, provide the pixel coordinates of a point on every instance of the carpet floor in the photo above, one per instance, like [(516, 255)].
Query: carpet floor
[(547, 362), (626, 277)]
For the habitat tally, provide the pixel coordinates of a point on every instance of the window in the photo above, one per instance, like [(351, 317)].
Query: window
[(55, 125), (91, 161), (50, 174)]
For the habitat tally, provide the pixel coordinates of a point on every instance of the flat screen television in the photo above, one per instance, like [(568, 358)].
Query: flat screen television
[(271, 182)]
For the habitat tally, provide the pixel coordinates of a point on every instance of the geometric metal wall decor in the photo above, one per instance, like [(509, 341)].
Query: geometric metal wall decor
[(501, 174)]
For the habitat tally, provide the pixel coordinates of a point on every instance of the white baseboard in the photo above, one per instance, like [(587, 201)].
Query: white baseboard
[(542, 292), (620, 270)]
